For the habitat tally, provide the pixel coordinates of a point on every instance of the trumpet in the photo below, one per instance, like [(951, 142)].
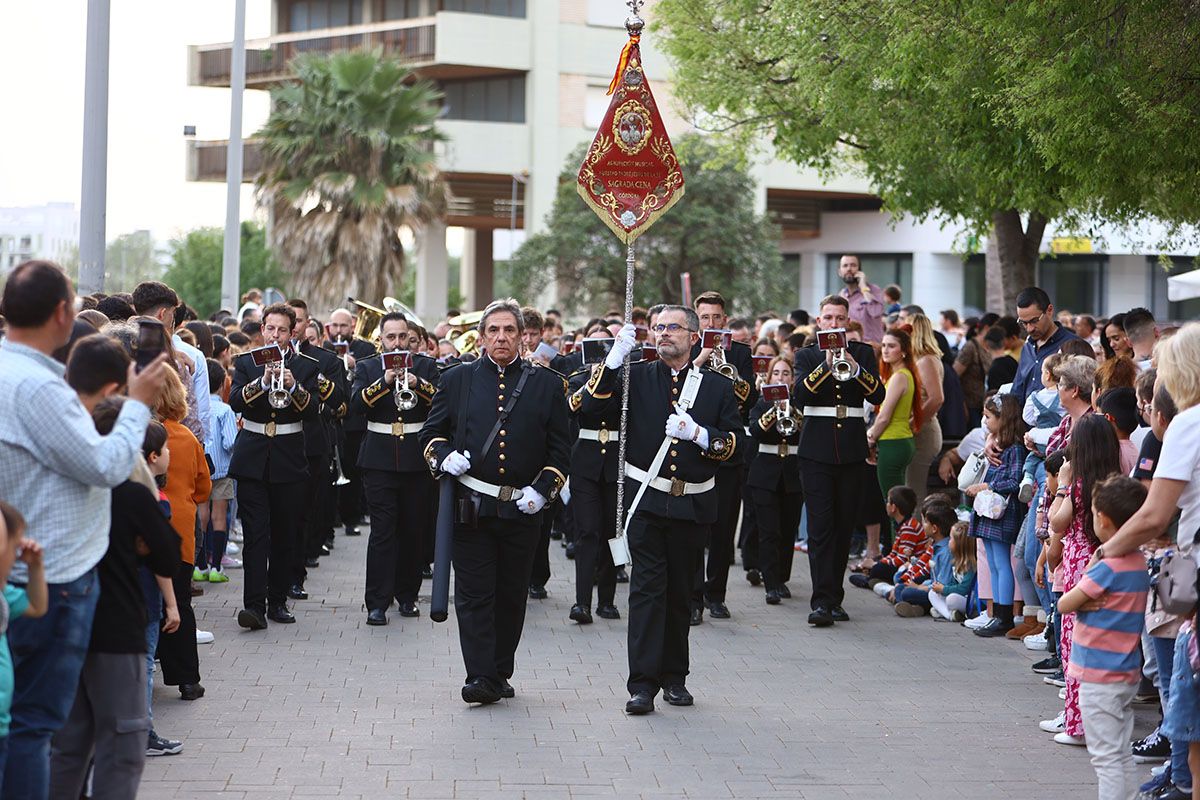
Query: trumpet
[(842, 369), (278, 395), (720, 365), (784, 423), (406, 398)]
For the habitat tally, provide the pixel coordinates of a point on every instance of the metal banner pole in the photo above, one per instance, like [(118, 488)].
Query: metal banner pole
[(629, 265)]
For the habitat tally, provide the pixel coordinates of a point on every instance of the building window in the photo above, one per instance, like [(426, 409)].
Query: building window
[(1074, 283), (975, 285), (497, 8), (315, 15), (1162, 308), (403, 9), (881, 269), (486, 100)]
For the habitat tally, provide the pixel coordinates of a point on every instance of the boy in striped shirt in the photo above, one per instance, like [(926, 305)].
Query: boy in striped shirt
[(1110, 604)]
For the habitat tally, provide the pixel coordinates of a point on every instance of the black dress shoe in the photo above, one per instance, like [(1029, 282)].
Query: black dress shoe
[(377, 616), (556, 535), (480, 690), (581, 615), (773, 597), (353, 531), (328, 545), (312, 563), (622, 575), (280, 614), (426, 573), (608, 611), (754, 576), (326, 550), (821, 617), (718, 610), (839, 614), (252, 620), (860, 580), (409, 609), (538, 593), (697, 616), (571, 550), (296, 592), (191, 691), (506, 690), (784, 591), (640, 703), (678, 696)]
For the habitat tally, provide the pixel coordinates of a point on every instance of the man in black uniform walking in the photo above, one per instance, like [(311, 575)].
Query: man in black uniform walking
[(833, 452), (499, 425), (354, 426), (667, 529), (270, 466), (394, 471)]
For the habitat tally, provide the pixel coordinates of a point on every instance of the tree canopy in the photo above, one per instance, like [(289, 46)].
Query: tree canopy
[(713, 232), (195, 265)]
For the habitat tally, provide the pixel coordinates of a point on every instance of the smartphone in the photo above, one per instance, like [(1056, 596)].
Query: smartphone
[(341, 348), (833, 339), (776, 392), (595, 350), (762, 364), (266, 355), (716, 337), (151, 342), (396, 360)]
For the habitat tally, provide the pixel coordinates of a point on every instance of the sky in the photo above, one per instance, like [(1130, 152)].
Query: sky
[(41, 117)]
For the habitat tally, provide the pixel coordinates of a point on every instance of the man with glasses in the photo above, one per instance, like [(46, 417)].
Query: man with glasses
[(1035, 314)]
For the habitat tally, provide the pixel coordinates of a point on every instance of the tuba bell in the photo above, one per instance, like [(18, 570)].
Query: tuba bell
[(366, 321), (717, 362)]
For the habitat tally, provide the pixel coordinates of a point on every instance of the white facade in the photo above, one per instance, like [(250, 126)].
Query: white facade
[(50, 232)]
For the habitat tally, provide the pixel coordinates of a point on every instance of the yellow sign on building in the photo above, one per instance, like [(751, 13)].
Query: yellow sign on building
[(1065, 245)]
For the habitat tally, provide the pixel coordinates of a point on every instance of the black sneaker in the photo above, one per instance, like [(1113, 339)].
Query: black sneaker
[(158, 746), (1057, 679), (1047, 666), (1154, 748)]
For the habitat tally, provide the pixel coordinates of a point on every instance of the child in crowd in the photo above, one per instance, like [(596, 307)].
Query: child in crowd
[(910, 540), (1041, 575), (914, 597), (1119, 407), (222, 430), (949, 598), (1109, 603), (108, 722), (1042, 412), (1002, 416), (31, 601)]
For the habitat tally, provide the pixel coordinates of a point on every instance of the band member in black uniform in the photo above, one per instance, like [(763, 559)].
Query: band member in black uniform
[(394, 471), (354, 426), (499, 425), (594, 472), (668, 527), (712, 581), (319, 441), (833, 448), (270, 466), (774, 482)]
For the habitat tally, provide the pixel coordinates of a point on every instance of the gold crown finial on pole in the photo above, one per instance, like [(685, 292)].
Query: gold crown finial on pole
[(634, 22)]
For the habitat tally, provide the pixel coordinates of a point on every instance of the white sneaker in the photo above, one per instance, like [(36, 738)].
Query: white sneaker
[(231, 549), (882, 589), (204, 637), (975, 623), (1062, 693), (1035, 641), (933, 612), (1066, 738), (1056, 725), (1025, 492)]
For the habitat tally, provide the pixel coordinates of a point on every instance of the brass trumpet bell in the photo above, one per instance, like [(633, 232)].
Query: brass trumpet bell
[(366, 322)]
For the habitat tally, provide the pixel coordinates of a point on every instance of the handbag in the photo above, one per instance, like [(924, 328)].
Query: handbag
[(1175, 584), (990, 504), (972, 472)]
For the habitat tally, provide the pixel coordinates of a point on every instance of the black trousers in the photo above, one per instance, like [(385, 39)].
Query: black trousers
[(492, 565), (594, 509), (396, 502), (177, 651), (270, 514), (748, 535), (833, 494), (564, 521), (660, 587), (778, 515), (350, 495), (312, 533), (541, 558), (711, 581)]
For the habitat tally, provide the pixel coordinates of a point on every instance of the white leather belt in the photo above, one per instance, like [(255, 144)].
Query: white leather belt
[(394, 428), (273, 429), (837, 412), (603, 436), (783, 449), (501, 493), (671, 486)]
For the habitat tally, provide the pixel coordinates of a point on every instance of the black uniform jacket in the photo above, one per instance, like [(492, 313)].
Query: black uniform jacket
[(768, 470), (828, 439), (376, 400), (653, 390), (320, 435), (361, 350), (259, 456), (532, 447), (595, 459)]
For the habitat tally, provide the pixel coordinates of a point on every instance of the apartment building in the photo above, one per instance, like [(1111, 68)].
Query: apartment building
[(49, 231)]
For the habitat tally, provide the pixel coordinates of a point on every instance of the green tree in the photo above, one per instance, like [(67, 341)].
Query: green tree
[(348, 159), (1003, 116), (713, 232), (128, 260), (195, 265)]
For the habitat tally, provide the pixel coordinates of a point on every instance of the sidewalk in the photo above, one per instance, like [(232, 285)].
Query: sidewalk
[(880, 707)]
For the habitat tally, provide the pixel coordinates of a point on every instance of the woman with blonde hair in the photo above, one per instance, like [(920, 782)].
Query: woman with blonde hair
[(927, 431)]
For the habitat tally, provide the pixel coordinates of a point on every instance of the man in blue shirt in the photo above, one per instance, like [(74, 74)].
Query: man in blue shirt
[(1035, 313)]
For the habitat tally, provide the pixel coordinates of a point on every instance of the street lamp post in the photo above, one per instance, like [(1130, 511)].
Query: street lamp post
[(231, 256), (93, 192)]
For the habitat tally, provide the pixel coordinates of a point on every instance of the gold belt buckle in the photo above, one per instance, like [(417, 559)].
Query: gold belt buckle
[(603, 436), (783, 449), (397, 428), (841, 412), (269, 430), (506, 494), (677, 487)]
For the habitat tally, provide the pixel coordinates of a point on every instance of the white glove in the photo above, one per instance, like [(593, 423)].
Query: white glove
[(530, 501), (456, 463), (564, 493), (625, 344), (682, 426)]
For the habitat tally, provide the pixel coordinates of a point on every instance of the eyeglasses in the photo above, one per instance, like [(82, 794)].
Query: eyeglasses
[(673, 327), (1031, 323)]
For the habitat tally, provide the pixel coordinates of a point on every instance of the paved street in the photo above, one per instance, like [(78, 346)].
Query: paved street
[(878, 707)]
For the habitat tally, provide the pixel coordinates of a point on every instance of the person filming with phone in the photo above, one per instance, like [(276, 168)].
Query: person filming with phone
[(865, 298)]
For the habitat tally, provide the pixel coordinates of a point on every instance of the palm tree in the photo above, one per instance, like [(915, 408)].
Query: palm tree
[(349, 160)]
